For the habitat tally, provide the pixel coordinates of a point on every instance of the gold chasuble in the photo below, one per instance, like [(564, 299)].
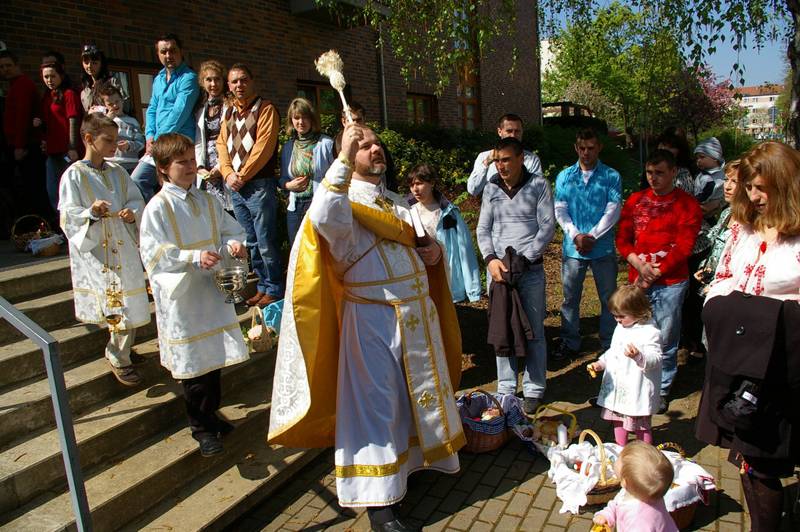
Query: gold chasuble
[(370, 348)]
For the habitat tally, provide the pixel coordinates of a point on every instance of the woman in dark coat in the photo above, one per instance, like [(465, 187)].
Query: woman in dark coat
[(751, 314)]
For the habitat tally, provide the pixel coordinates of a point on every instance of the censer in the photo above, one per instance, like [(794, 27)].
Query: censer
[(112, 264)]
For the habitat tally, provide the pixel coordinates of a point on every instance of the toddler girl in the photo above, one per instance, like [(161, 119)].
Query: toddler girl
[(645, 475), (632, 366)]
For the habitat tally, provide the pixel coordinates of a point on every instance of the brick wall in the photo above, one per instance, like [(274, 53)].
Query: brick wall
[(279, 47), (516, 92)]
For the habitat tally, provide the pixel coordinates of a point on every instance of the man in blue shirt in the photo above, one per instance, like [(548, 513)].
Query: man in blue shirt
[(175, 91), (588, 200)]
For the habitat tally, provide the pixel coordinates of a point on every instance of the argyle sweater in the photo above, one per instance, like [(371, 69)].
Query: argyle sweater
[(241, 137)]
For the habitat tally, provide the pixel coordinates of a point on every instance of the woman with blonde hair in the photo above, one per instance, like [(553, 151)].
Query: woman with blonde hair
[(210, 111), (305, 158), (751, 315)]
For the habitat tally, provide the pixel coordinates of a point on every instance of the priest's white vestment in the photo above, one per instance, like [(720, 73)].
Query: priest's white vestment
[(394, 407), (197, 331)]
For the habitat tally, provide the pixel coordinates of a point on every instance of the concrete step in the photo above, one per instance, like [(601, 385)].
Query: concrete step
[(23, 360), (152, 470), (49, 312), (26, 282), (218, 498), (35, 465), (28, 407)]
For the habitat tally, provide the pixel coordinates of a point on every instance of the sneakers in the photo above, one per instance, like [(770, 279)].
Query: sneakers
[(530, 404), (127, 376), (663, 405), (563, 352), (210, 444)]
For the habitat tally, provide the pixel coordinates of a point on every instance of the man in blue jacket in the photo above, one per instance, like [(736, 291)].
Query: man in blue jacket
[(175, 91), (588, 200)]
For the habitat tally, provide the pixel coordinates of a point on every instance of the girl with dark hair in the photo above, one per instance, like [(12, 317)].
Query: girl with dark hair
[(60, 114), (95, 73), (443, 221)]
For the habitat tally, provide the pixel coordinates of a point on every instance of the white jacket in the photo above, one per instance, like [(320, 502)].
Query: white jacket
[(631, 385)]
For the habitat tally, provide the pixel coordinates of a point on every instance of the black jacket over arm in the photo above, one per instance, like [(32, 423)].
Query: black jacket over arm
[(756, 339)]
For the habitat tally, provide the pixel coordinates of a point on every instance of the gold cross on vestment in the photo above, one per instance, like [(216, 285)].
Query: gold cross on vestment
[(418, 286), (425, 400), (412, 322)]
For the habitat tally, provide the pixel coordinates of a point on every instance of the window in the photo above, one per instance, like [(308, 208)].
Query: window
[(468, 99), (137, 84), (323, 97), (421, 108)]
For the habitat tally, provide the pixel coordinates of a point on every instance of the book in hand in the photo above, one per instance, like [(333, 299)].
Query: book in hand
[(423, 239)]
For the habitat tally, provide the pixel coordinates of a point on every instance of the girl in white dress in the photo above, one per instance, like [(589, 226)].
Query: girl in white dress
[(629, 393)]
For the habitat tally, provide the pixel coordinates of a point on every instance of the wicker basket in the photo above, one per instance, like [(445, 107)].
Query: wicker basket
[(606, 488), (539, 420), (28, 227), (260, 337), (684, 516), (485, 436)]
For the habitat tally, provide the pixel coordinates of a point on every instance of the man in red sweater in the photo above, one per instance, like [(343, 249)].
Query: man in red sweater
[(657, 230), (22, 102)]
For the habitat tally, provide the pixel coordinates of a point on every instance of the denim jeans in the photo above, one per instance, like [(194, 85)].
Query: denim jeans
[(531, 292), (54, 167), (573, 273), (144, 175), (294, 219), (256, 208), (667, 301)]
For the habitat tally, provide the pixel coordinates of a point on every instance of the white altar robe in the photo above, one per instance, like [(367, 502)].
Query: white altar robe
[(197, 331), (80, 186), (377, 443)]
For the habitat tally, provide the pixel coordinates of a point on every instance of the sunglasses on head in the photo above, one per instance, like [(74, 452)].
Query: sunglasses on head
[(90, 49)]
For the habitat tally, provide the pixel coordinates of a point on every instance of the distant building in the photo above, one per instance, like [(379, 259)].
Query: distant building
[(761, 103)]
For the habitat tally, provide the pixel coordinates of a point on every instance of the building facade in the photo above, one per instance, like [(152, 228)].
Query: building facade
[(279, 39), (761, 105)]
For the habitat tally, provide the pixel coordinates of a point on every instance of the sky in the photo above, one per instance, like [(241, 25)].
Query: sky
[(764, 66)]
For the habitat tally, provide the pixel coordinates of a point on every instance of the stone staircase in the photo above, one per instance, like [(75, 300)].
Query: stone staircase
[(142, 469)]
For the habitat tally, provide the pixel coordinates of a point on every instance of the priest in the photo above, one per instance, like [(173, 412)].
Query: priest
[(370, 350)]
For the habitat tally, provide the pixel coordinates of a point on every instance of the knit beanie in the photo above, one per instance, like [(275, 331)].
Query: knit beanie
[(712, 148)]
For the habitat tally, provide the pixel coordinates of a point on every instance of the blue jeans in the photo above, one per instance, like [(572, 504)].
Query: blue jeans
[(531, 292), (667, 301), (256, 208), (294, 219), (573, 273), (54, 167), (144, 175)]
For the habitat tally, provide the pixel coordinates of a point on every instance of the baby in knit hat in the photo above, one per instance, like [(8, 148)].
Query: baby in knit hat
[(708, 182)]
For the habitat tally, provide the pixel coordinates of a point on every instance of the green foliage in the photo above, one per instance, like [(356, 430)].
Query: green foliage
[(433, 39), (453, 152), (620, 54)]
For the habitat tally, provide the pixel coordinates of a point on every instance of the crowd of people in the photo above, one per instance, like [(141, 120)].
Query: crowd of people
[(369, 324)]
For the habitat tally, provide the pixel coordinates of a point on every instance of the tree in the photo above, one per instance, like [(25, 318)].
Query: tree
[(434, 38), (613, 55), (698, 101)]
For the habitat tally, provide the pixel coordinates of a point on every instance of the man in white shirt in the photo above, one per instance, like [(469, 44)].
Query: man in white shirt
[(509, 125)]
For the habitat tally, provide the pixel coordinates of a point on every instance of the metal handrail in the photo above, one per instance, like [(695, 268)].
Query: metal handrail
[(58, 393)]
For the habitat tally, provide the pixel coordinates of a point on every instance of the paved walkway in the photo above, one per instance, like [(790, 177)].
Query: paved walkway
[(508, 489)]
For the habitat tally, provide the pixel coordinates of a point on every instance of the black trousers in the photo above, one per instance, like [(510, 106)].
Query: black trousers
[(202, 396)]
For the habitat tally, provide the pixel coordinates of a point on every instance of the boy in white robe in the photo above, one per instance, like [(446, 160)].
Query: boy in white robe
[(100, 207), (198, 333)]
